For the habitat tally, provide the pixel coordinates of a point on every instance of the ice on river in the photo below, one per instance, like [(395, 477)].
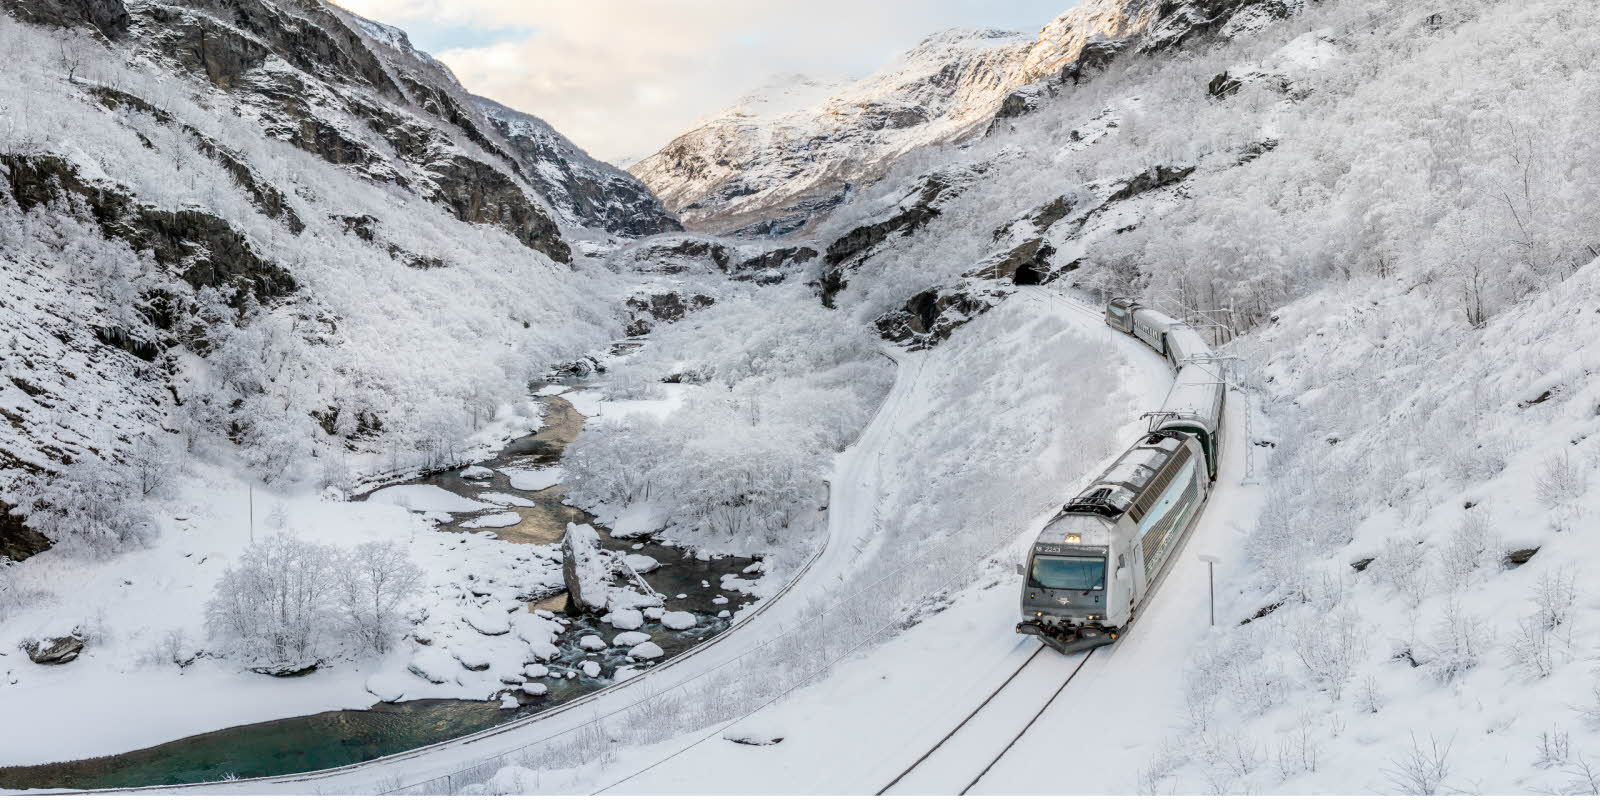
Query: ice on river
[(422, 497)]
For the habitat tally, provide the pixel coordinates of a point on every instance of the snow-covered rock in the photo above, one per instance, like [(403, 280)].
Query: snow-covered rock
[(504, 519), (488, 621), (627, 619), (473, 657), (536, 479), (509, 700), (640, 562), (590, 668), (535, 670), (477, 472), (592, 642), (630, 638), (679, 620), (645, 651), (433, 665), (533, 689), (585, 567), (389, 687)]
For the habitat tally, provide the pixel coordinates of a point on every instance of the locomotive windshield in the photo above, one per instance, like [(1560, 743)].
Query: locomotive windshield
[(1082, 573)]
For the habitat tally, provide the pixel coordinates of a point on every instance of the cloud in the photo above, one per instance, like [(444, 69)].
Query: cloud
[(623, 77)]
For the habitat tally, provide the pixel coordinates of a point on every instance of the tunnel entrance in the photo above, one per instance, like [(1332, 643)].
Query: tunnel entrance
[(1026, 275)]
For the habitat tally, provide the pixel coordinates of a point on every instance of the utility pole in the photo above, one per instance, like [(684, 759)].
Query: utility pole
[(252, 513), (1211, 580)]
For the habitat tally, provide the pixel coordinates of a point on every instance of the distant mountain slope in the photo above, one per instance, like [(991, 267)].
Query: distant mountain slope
[(792, 148), (585, 191), (775, 160)]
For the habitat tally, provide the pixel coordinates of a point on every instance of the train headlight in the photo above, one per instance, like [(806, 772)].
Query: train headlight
[(1073, 538)]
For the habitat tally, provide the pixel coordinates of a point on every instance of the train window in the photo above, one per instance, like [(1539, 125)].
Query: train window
[(1082, 573)]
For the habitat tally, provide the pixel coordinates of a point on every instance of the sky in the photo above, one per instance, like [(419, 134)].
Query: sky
[(622, 78)]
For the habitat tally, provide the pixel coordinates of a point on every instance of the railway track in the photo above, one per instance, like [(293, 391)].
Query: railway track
[(965, 754)]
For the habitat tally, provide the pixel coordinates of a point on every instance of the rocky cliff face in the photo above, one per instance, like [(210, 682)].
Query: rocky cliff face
[(583, 191), (783, 157)]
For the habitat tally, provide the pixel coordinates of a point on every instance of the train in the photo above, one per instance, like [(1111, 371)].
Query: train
[(1096, 563)]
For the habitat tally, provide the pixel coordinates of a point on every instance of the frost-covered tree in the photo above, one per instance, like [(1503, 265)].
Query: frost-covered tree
[(374, 581), (273, 608), (91, 507)]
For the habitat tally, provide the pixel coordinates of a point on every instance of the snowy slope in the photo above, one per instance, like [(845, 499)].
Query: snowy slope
[(286, 230)]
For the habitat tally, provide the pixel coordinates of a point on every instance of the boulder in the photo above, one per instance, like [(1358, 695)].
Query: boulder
[(592, 642), (630, 638), (590, 668), (646, 651), (477, 473), (586, 568), (286, 670), (629, 619), (59, 650), (678, 620)]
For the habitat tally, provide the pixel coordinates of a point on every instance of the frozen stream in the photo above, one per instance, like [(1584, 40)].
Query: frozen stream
[(338, 738)]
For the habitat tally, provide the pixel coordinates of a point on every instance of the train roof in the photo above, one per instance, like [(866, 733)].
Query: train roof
[(1196, 396), (1113, 493), (1151, 316), (1188, 341)]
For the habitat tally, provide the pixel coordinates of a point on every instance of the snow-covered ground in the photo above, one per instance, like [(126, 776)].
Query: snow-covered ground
[(142, 609)]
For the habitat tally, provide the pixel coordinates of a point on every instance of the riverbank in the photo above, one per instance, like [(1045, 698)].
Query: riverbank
[(513, 568)]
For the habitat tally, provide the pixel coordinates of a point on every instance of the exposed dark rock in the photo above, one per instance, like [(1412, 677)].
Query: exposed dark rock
[(17, 540), (59, 650), (756, 741), (1542, 398), (478, 193), (1361, 564), (910, 218), (595, 194), (1157, 177), (109, 17), (1026, 264), (203, 249), (647, 310), (1263, 611), (772, 260), (1255, 150), (931, 316), (1517, 558), (287, 670), (118, 337)]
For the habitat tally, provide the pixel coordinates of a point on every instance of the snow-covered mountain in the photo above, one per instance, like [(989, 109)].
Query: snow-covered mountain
[(778, 158), (585, 192), (222, 217), (780, 155)]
